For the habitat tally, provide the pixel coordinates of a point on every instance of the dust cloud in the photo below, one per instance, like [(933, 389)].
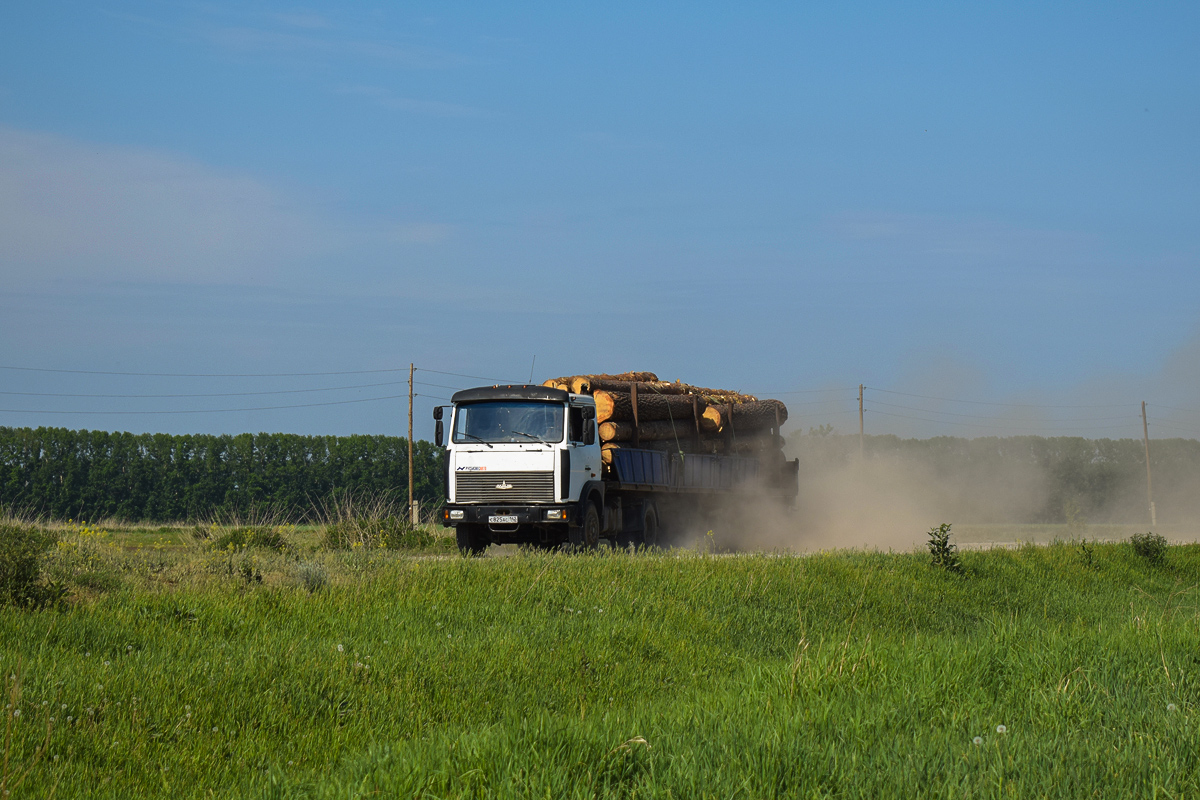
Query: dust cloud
[(889, 497)]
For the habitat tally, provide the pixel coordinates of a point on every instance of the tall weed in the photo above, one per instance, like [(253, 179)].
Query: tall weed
[(944, 552), (22, 553)]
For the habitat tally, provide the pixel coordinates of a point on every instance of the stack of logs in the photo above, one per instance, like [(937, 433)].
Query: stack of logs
[(636, 409)]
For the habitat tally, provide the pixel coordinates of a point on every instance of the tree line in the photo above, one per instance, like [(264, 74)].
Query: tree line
[(93, 475)]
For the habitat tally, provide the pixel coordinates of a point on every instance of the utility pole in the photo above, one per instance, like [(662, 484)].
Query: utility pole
[(861, 445), (1149, 486), (412, 504)]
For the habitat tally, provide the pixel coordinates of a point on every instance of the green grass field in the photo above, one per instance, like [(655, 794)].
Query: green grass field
[(1043, 671)]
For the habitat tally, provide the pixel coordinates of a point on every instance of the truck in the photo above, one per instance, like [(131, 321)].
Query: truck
[(524, 465)]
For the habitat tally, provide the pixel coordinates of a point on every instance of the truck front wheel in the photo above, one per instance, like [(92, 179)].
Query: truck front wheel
[(586, 536), (472, 540)]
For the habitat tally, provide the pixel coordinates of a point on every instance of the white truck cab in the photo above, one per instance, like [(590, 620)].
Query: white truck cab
[(523, 465)]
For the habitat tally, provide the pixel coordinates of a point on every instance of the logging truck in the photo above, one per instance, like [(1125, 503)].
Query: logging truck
[(536, 465)]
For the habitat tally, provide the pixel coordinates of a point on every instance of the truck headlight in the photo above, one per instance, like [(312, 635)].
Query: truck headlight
[(456, 513), (556, 513)]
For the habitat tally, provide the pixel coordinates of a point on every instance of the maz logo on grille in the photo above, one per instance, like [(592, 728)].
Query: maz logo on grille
[(504, 485)]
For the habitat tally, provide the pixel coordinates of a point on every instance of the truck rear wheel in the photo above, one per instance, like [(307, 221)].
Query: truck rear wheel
[(586, 536), (649, 527), (472, 540)]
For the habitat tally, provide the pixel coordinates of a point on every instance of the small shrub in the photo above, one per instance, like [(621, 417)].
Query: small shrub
[(1150, 546), (312, 576), (22, 550), (944, 552), (390, 532)]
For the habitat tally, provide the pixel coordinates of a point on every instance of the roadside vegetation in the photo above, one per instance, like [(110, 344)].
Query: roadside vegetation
[(245, 658)]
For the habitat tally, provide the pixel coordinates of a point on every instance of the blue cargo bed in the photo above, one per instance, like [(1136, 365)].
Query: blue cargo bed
[(683, 472)]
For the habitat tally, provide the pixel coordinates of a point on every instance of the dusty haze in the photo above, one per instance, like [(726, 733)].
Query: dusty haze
[(889, 498)]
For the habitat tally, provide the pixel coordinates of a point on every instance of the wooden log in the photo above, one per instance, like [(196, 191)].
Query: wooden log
[(581, 384), (722, 396), (750, 417), (647, 431), (618, 407), (644, 387)]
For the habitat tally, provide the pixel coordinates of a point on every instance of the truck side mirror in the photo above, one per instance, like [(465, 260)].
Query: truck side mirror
[(437, 433), (589, 431), (437, 413), (589, 412)]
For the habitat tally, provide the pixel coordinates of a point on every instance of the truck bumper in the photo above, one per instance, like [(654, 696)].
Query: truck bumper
[(516, 516)]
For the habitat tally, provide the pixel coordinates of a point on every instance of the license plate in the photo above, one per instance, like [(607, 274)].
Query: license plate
[(502, 519)]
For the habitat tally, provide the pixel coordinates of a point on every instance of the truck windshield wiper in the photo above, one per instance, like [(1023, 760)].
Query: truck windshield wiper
[(537, 439), (476, 438)]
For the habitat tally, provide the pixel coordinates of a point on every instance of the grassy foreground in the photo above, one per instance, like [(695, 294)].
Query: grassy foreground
[(1043, 671)]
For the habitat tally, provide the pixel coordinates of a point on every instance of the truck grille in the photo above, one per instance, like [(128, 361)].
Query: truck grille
[(527, 487)]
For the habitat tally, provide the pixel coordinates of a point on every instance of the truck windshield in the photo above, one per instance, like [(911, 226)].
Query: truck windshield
[(508, 421)]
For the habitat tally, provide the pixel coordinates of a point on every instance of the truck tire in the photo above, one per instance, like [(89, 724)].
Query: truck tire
[(586, 536), (471, 539), (650, 532)]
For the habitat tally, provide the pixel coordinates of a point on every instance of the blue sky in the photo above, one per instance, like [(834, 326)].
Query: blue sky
[(995, 204)]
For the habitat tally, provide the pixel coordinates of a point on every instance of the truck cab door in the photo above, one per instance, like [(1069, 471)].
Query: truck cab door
[(585, 458)]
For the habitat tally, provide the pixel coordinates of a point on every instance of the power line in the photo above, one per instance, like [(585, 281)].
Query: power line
[(818, 402), (1000, 419), (808, 391), (438, 385), (1173, 427), (820, 414), (208, 394), (472, 377), (1173, 408), (951, 400), (206, 374), (206, 410)]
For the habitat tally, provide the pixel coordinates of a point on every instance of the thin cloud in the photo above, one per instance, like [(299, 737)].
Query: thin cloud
[(433, 108), (420, 232), (309, 40), (71, 210), (304, 20), (950, 236)]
